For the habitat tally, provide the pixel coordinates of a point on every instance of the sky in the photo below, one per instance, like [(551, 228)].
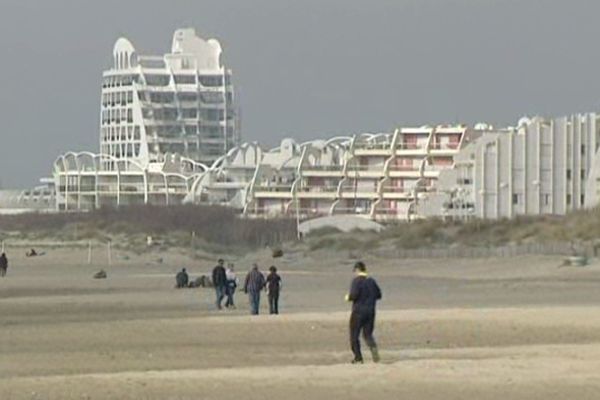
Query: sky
[(304, 69)]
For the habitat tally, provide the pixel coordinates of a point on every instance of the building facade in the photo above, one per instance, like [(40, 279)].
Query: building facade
[(164, 120), (542, 166), (181, 103), (41, 198), (169, 134), (378, 176)]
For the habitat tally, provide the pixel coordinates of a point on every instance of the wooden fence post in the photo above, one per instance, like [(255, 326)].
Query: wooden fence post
[(108, 247)]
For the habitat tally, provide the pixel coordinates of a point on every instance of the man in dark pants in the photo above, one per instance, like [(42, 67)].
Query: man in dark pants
[(3, 264), (273, 288), (364, 293), (219, 279), (255, 282)]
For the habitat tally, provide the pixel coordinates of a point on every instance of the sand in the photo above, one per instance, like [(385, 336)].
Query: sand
[(448, 329)]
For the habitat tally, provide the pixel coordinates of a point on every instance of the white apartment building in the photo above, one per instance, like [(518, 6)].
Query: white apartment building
[(181, 102), (39, 199), (163, 121), (226, 183), (542, 166), (378, 176), (169, 134)]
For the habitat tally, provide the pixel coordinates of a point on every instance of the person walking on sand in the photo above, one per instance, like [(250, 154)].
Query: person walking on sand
[(3, 264), (273, 289), (232, 282), (255, 282), (364, 294), (219, 282)]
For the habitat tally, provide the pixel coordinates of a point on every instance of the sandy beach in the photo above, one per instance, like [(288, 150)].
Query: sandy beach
[(448, 329)]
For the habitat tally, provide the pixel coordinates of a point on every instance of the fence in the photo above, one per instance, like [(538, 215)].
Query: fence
[(555, 249)]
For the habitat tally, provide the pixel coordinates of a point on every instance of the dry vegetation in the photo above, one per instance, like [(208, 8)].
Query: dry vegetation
[(212, 226), (221, 229), (580, 227)]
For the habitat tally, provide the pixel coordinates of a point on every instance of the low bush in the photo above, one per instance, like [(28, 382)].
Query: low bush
[(212, 224)]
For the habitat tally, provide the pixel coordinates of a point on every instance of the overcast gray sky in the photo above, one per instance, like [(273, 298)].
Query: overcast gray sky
[(306, 69)]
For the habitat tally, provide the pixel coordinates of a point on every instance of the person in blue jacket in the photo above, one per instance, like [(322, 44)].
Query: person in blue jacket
[(364, 294)]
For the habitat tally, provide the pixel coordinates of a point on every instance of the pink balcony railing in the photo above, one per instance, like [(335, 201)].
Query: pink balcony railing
[(318, 189), (273, 188), (414, 168), (444, 146), (410, 146)]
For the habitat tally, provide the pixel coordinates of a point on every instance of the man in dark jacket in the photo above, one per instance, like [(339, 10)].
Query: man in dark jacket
[(3, 264), (273, 288), (181, 279), (364, 293), (219, 279), (255, 282)]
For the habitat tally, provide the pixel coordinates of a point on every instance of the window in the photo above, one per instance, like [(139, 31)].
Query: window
[(582, 174), (190, 130), (568, 174), (211, 97), (152, 63), (187, 63), (546, 199), (187, 97), (185, 79), (568, 199), (189, 113), (211, 114), (515, 198), (162, 98), (211, 80), (583, 149), (158, 80)]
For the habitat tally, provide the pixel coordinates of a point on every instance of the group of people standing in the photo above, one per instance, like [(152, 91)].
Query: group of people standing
[(225, 283)]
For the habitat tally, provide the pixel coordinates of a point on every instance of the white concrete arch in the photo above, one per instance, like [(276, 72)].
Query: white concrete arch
[(122, 53)]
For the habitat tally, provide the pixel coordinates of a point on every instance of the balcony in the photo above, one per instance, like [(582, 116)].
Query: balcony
[(132, 188), (418, 148), (351, 192), (310, 192), (308, 212), (394, 192), (368, 171), (361, 211), (433, 171), (404, 171), (226, 185), (273, 188), (375, 149), (387, 211), (322, 170), (444, 148), (273, 191)]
